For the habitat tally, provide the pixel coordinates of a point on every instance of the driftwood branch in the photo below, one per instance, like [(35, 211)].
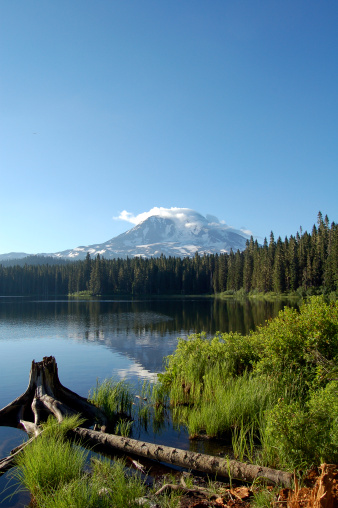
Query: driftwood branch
[(46, 395), (8, 462), (168, 487)]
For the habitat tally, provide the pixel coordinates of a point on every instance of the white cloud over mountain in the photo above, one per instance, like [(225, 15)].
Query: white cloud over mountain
[(181, 215), (166, 213)]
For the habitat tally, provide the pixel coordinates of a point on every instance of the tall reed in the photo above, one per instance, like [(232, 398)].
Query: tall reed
[(113, 397)]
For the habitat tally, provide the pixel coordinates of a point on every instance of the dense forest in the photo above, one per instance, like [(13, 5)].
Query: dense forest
[(305, 262)]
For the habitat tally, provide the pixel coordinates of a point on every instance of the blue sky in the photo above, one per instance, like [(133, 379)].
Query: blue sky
[(225, 107)]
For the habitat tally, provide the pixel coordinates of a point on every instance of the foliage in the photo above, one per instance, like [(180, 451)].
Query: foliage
[(299, 347), (49, 462), (123, 427), (263, 498), (224, 404), (273, 386), (60, 430), (301, 436), (194, 357)]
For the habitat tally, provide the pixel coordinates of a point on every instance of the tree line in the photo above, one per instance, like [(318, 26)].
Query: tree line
[(304, 262)]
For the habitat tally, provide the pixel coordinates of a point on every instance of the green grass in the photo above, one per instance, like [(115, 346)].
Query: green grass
[(123, 427), (243, 443), (113, 397), (218, 405), (272, 387), (263, 498), (57, 474), (50, 461)]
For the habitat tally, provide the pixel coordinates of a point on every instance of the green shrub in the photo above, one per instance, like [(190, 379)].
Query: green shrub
[(230, 353), (299, 344), (298, 436), (215, 385)]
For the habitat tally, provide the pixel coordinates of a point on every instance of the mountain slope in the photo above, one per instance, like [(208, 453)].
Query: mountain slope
[(178, 232), (180, 235)]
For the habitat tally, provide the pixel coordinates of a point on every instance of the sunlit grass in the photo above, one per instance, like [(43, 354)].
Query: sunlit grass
[(123, 427), (113, 397), (219, 405), (50, 461), (57, 474)]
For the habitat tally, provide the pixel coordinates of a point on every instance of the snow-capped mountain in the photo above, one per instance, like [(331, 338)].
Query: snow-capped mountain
[(178, 232)]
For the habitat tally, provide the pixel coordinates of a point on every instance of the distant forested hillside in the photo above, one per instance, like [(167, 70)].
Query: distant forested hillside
[(34, 260), (305, 262)]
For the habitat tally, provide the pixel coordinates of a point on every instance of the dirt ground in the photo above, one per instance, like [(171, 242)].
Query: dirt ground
[(319, 489)]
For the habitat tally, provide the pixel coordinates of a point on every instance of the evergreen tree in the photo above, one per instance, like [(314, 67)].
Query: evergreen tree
[(96, 277), (279, 268), (248, 265), (223, 272)]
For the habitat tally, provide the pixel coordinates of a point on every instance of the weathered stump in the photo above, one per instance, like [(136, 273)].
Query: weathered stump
[(46, 395)]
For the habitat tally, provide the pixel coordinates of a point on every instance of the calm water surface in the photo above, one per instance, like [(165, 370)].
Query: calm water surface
[(95, 339)]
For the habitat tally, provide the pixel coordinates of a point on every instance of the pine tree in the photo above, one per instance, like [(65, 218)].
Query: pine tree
[(248, 265), (96, 277), (279, 268)]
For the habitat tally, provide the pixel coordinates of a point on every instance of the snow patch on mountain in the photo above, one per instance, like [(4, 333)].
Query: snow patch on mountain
[(179, 232)]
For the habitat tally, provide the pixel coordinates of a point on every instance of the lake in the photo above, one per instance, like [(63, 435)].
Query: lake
[(100, 338)]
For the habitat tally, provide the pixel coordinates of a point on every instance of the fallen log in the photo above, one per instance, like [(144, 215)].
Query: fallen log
[(46, 395), (175, 456)]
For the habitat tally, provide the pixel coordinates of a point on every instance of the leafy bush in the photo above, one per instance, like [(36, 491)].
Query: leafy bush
[(300, 344), (297, 436), (231, 353), (274, 382)]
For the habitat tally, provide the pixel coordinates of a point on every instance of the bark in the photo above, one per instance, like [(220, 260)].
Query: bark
[(46, 395), (195, 461)]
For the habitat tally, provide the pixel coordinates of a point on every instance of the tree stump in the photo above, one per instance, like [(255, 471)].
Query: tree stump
[(46, 395)]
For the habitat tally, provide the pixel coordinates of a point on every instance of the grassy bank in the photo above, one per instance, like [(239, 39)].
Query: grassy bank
[(272, 392), (276, 387), (299, 294)]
